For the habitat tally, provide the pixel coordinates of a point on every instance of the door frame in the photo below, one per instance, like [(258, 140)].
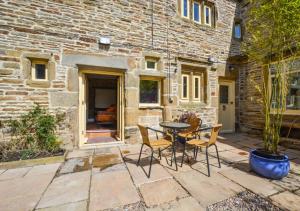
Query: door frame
[(82, 104), (232, 83)]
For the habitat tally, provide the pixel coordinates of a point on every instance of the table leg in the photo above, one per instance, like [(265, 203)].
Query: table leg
[(174, 149)]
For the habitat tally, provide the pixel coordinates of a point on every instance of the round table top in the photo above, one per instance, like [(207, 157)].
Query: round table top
[(174, 125)]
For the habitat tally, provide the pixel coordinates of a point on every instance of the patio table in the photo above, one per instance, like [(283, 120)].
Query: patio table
[(174, 127)]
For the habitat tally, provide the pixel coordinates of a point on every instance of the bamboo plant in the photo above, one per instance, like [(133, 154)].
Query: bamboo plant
[(272, 43)]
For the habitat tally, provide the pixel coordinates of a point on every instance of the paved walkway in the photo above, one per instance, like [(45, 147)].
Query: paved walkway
[(108, 179)]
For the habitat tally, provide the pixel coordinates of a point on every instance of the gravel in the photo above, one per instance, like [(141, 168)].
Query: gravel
[(244, 201)]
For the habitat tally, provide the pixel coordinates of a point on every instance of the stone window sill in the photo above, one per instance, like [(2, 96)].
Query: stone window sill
[(41, 84), (150, 107)]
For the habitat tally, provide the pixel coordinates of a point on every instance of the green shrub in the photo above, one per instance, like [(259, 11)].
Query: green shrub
[(36, 130)]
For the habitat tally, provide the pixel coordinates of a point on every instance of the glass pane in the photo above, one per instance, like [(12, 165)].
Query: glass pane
[(237, 31), (196, 12), (149, 91), (40, 71), (196, 87), (293, 98), (223, 94), (184, 86), (151, 65), (185, 8), (207, 15)]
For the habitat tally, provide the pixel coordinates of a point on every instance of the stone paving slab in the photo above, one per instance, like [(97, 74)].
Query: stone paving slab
[(76, 206), (112, 189), (230, 156), (139, 176), (162, 191), (80, 153), (107, 150), (115, 167), (75, 165), (67, 188), (291, 182), (208, 190), (295, 166), (184, 204), (23, 193), (252, 182), (2, 170), (14, 173), (287, 201), (43, 169)]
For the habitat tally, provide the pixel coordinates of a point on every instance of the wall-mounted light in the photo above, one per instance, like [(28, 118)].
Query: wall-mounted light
[(231, 68), (104, 41), (211, 59)]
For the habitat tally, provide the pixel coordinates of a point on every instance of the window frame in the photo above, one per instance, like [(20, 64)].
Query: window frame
[(198, 99), (158, 104), (210, 15), (151, 60), (187, 89), (287, 110), (33, 70), (188, 9), (200, 12), (241, 30)]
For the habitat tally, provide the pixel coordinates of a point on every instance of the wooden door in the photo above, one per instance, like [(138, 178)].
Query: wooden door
[(227, 106)]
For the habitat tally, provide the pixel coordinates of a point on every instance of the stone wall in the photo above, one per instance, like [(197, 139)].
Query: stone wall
[(56, 29)]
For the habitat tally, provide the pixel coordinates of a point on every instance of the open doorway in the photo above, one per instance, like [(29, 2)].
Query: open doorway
[(101, 108)]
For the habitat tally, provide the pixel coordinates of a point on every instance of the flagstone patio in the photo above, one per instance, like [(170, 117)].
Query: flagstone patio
[(108, 179)]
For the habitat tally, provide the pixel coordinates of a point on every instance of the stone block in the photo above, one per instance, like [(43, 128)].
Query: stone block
[(64, 99), (72, 80), (132, 98)]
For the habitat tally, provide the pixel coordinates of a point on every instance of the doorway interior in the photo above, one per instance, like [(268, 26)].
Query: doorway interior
[(101, 108)]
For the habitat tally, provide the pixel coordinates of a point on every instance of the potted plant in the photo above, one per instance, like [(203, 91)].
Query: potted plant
[(271, 45)]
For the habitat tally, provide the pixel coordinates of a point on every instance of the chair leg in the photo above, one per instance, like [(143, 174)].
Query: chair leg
[(150, 163), (197, 150), (174, 153), (207, 161), (159, 153), (140, 155), (183, 155), (218, 155)]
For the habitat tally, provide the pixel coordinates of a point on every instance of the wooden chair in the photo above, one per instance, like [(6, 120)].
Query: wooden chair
[(160, 143), (193, 130), (196, 143)]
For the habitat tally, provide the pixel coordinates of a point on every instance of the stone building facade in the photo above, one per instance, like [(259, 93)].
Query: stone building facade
[(66, 35)]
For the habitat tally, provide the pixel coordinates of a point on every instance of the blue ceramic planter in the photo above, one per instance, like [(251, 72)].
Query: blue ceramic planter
[(269, 166)]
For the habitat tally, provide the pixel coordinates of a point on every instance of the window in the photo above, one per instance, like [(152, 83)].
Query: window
[(196, 88), (207, 15), (185, 87), (149, 92), (151, 64), (224, 94), (237, 30), (185, 8), (197, 12), (293, 97), (39, 71)]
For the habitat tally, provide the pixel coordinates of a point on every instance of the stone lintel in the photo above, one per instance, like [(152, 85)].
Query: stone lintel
[(116, 62)]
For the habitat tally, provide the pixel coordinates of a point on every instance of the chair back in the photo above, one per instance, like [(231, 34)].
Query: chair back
[(145, 135), (214, 134), (195, 124)]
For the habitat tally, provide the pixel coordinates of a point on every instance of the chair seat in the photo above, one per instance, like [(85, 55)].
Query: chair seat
[(198, 143), (187, 135), (160, 143)]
